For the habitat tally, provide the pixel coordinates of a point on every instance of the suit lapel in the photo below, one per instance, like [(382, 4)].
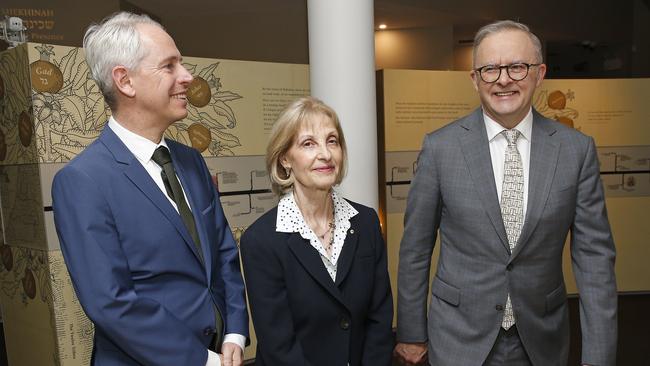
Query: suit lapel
[(474, 144), (313, 264), (348, 252), (136, 173), (544, 152)]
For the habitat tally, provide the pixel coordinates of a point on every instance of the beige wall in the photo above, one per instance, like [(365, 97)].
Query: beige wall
[(463, 57), (418, 48)]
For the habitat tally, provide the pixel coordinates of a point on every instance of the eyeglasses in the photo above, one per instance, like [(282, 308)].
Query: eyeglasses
[(517, 71)]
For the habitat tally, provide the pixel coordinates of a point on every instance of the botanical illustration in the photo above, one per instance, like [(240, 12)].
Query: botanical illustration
[(554, 105), (24, 274), (69, 110), (16, 126), (209, 114)]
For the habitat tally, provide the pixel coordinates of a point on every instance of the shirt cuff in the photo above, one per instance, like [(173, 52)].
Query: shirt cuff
[(213, 359), (237, 339)]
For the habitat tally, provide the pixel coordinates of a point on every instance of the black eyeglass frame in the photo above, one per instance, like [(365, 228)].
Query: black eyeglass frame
[(507, 67)]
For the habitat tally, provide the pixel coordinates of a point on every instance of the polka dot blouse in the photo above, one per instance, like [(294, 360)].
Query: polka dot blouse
[(290, 220)]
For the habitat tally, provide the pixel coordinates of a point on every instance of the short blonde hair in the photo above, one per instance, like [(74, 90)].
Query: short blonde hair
[(284, 132)]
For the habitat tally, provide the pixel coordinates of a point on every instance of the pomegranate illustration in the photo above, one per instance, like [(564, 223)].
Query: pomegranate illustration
[(198, 93), (46, 77), (7, 257), (25, 128), (29, 284), (199, 136), (556, 100)]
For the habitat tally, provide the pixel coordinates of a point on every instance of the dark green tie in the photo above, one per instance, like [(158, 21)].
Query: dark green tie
[(162, 157)]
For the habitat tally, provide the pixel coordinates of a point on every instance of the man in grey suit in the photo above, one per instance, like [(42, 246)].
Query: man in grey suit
[(504, 186)]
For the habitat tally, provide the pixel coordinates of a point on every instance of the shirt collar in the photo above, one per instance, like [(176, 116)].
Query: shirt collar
[(141, 147), (290, 218), (525, 127)]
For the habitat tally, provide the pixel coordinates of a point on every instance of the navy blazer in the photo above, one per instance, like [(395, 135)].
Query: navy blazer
[(132, 261), (301, 316)]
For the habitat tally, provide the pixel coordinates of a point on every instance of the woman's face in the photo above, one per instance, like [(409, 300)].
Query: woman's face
[(315, 155)]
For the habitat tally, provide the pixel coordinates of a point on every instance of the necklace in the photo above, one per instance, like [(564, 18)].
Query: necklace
[(332, 227)]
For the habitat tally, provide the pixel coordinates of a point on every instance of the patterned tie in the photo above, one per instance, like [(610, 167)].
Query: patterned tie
[(162, 157), (512, 204)]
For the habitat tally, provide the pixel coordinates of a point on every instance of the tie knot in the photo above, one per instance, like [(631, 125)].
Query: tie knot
[(511, 136), (161, 156)]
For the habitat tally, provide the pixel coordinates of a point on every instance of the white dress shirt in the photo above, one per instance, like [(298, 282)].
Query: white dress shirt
[(498, 145), (290, 220), (143, 149)]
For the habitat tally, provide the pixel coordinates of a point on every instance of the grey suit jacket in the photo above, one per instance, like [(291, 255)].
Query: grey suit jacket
[(454, 191)]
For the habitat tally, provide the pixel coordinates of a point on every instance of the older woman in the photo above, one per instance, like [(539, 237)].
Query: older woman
[(315, 266)]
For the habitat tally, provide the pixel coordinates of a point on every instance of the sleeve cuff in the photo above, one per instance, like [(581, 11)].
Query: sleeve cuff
[(235, 338), (213, 359)]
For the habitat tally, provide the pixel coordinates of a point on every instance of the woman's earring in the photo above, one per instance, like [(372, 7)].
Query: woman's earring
[(287, 171)]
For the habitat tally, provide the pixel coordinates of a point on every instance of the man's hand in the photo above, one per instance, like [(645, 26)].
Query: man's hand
[(231, 354), (411, 353)]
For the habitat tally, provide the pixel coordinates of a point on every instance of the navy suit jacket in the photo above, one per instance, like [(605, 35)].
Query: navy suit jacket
[(132, 261), (301, 316)]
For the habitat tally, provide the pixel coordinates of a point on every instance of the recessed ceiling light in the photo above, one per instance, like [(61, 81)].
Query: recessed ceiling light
[(382, 26)]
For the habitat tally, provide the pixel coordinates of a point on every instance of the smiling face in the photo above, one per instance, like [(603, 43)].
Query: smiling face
[(315, 155), (160, 81), (507, 101)]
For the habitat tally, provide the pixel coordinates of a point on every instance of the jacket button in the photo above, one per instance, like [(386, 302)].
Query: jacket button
[(344, 323), (509, 267), (208, 331), (499, 307), (351, 231)]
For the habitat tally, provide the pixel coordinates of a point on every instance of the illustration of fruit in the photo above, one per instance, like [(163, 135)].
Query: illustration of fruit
[(46, 77), (25, 128), (199, 93), (3, 146), (556, 100), (200, 136), (29, 283), (7, 257), (565, 120)]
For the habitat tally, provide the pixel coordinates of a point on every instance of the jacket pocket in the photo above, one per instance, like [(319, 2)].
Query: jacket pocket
[(555, 298), (208, 209), (445, 292)]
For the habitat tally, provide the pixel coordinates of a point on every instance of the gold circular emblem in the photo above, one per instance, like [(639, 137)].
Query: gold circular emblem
[(199, 93)]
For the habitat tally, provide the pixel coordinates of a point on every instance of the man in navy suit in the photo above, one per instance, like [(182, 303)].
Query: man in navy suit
[(148, 248)]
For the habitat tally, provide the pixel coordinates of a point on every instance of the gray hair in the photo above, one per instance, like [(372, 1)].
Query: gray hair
[(506, 25), (115, 41)]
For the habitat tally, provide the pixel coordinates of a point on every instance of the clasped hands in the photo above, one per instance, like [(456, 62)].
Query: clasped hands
[(231, 354), (411, 353)]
